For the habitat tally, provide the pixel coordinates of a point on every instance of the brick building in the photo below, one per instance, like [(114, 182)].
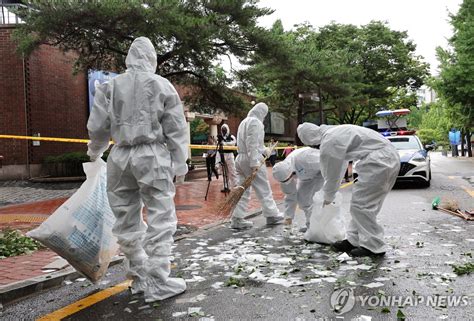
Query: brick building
[(39, 95)]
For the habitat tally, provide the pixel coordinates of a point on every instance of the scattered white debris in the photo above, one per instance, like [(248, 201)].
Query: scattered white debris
[(448, 245), (374, 285), (80, 279), (330, 279), (144, 307), (194, 310), (128, 310), (343, 257), (49, 271), (470, 240), (178, 314), (195, 299), (381, 279), (217, 285), (257, 275), (324, 273), (196, 278), (362, 318), (67, 282)]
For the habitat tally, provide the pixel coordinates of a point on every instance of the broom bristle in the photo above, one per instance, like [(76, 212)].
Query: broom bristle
[(451, 205), (227, 206)]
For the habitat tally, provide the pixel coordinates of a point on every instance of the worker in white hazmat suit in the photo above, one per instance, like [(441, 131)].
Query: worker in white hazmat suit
[(300, 178), (143, 114), (378, 168), (251, 148), (227, 156)]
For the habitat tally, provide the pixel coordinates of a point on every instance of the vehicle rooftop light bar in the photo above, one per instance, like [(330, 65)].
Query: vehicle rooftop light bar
[(397, 112), (399, 133)]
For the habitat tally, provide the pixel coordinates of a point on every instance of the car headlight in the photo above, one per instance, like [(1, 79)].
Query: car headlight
[(418, 157)]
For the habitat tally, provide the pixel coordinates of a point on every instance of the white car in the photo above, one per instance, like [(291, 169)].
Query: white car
[(415, 163)]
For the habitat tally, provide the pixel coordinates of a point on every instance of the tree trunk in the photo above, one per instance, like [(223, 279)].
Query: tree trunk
[(462, 142), (299, 119), (469, 145)]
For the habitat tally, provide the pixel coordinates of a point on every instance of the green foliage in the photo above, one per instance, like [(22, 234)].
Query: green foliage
[(356, 71), (435, 124), (455, 83), (467, 268), (73, 157), (13, 243), (189, 37), (235, 281), (199, 127)]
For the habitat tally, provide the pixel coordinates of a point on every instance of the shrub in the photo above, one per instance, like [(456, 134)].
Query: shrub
[(13, 243)]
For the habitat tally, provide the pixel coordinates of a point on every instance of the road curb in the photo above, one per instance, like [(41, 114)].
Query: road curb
[(21, 289), (24, 288)]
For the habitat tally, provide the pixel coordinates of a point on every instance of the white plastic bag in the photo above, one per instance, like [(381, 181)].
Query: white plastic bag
[(80, 230), (326, 224)]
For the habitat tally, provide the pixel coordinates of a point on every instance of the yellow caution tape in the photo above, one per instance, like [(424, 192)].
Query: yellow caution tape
[(85, 141)]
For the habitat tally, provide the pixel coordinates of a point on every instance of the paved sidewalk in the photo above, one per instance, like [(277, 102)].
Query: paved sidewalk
[(192, 210)]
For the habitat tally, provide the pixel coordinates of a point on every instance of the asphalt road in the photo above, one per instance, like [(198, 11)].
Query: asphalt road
[(244, 276)]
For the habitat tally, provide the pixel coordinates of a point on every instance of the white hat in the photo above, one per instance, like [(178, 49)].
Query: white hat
[(282, 171)]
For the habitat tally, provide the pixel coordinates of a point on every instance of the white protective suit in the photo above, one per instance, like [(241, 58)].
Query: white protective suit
[(250, 144), (229, 140), (143, 114), (378, 168), (301, 187)]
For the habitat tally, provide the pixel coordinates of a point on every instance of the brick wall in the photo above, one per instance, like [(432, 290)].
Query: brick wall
[(56, 101), (12, 105)]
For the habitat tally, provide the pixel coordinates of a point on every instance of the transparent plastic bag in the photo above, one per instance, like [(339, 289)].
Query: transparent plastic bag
[(80, 230), (326, 224)]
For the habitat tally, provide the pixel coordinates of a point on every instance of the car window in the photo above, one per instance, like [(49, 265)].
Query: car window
[(405, 142)]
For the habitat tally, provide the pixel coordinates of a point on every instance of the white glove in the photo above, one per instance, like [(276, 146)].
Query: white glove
[(268, 151), (179, 180)]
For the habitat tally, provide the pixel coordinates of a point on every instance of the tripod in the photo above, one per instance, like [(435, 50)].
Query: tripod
[(220, 149), (225, 173)]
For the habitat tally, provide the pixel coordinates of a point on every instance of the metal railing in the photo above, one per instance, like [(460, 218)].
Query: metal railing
[(7, 15)]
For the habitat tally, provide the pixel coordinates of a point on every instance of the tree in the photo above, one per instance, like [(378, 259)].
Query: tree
[(456, 79), (189, 36), (355, 70)]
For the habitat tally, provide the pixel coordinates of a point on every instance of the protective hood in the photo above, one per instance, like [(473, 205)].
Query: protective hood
[(259, 111), (141, 56), (282, 170), (227, 133), (311, 134)]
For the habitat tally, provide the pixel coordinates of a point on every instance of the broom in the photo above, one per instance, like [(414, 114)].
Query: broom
[(226, 207)]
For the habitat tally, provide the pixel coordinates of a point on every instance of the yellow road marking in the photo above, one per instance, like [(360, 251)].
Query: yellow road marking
[(86, 302), (469, 191)]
